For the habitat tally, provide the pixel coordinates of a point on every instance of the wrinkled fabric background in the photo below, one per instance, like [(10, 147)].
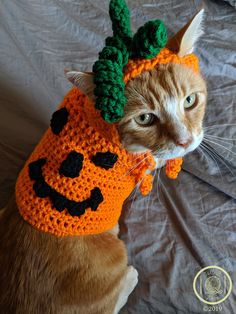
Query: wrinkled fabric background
[(184, 224), (232, 2)]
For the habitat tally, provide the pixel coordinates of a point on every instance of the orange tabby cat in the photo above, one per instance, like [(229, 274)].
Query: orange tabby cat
[(41, 273)]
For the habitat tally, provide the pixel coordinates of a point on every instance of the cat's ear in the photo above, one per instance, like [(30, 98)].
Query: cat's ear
[(83, 80), (184, 41)]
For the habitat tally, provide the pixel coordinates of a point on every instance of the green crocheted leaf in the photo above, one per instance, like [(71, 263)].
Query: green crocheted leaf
[(149, 39), (120, 17)]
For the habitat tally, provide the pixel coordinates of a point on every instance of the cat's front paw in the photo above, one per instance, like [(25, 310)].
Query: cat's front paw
[(129, 283), (131, 278)]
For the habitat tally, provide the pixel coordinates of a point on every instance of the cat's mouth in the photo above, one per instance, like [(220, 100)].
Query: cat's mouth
[(169, 150), (173, 151)]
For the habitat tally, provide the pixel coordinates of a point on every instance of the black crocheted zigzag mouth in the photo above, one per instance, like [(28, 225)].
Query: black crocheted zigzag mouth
[(60, 202)]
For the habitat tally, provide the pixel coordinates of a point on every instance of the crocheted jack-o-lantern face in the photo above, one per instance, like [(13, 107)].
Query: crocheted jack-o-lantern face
[(70, 168), (78, 177)]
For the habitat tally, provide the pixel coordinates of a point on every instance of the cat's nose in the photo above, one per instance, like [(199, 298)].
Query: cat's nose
[(184, 144)]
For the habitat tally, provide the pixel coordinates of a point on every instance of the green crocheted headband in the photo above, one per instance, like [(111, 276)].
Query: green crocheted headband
[(122, 46)]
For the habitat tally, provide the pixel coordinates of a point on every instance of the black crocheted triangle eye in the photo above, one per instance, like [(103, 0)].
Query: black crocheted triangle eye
[(105, 160), (59, 120), (72, 165)]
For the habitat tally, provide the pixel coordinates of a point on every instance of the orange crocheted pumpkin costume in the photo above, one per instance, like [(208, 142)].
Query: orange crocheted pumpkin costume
[(78, 177), (136, 66)]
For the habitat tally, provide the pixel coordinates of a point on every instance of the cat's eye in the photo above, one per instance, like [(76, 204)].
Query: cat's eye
[(145, 119), (190, 101)]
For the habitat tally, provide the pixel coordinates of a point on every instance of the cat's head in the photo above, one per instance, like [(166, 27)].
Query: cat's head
[(165, 105)]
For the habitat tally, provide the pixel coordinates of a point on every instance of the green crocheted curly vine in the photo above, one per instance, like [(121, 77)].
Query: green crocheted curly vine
[(120, 17), (108, 69)]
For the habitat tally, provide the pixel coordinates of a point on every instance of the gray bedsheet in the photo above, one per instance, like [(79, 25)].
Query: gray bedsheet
[(184, 225)]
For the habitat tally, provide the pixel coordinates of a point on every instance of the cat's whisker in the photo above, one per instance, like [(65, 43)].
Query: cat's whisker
[(163, 186), (159, 184), (133, 168), (218, 125), (218, 155), (134, 159), (226, 143), (212, 156), (221, 159), (159, 172), (136, 189), (132, 199), (149, 197), (222, 146), (210, 149), (200, 148), (219, 138)]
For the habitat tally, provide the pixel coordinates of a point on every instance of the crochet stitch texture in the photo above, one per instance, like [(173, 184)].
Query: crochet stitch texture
[(108, 69), (79, 175), (77, 179), (131, 54)]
